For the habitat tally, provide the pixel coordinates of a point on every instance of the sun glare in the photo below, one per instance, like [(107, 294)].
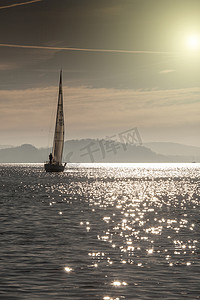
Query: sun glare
[(193, 42)]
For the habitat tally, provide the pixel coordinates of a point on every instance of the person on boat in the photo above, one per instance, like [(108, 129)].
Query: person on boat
[(50, 158)]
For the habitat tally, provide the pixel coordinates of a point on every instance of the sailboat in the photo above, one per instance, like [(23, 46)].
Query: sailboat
[(55, 157)]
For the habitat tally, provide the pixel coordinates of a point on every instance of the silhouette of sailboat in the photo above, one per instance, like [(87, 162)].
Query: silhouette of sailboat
[(55, 157)]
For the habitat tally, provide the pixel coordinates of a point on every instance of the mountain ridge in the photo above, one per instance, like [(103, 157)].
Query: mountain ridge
[(93, 150), (170, 148)]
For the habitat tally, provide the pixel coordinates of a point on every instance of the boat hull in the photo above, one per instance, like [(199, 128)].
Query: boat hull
[(54, 168)]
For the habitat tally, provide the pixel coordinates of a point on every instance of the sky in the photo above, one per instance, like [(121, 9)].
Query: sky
[(126, 64)]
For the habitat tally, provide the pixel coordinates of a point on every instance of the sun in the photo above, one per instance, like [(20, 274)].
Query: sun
[(193, 42)]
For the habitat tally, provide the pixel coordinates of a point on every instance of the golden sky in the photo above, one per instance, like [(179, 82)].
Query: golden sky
[(126, 63)]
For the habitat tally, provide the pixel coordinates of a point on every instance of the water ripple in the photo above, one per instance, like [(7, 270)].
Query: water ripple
[(100, 232)]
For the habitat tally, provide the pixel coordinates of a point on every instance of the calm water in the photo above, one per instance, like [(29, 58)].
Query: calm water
[(100, 232)]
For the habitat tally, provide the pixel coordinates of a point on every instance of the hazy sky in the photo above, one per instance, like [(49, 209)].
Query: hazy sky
[(133, 63)]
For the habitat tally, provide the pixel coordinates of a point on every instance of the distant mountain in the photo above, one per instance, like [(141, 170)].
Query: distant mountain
[(24, 153), (87, 150), (174, 149), (91, 150)]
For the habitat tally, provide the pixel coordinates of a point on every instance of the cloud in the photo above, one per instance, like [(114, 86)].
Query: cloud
[(166, 71), (99, 110), (7, 66), (86, 49), (19, 4), (28, 116)]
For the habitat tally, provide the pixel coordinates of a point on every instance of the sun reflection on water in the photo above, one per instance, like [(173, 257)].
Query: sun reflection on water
[(67, 269), (130, 219), (118, 283), (140, 210)]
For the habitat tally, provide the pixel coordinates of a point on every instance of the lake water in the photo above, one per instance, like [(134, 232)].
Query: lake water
[(100, 232)]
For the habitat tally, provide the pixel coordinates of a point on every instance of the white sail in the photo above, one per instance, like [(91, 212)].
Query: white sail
[(58, 142)]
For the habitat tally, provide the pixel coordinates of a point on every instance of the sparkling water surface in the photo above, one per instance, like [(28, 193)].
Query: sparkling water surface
[(100, 231)]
